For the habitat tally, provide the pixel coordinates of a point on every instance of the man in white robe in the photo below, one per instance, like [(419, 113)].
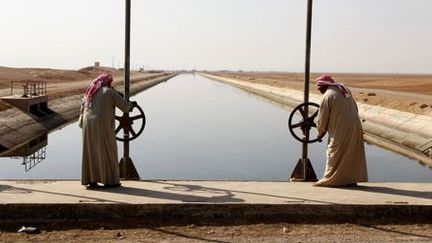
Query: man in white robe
[(338, 115), (99, 154)]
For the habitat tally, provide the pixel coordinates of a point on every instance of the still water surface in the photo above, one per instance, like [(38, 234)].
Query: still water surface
[(201, 129)]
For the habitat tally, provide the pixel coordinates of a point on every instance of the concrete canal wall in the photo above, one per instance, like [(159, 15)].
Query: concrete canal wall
[(406, 133), (17, 127)]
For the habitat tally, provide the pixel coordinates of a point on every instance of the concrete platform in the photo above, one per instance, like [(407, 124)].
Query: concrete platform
[(213, 202)]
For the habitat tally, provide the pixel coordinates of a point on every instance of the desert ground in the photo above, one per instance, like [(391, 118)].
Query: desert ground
[(60, 83), (238, 233), (411, 93), (404, 92)]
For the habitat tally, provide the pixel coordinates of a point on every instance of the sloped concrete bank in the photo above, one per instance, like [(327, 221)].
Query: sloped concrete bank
[(405, 133), (17, 127)]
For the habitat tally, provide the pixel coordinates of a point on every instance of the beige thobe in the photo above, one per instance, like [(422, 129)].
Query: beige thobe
[(99, 154), (346, 161)]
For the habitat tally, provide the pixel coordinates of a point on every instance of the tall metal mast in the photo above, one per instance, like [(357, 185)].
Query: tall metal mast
[(127, 168), (304, 170)]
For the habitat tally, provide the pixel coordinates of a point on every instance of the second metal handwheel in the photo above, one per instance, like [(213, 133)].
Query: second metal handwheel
[(126, 124), (306, 123)]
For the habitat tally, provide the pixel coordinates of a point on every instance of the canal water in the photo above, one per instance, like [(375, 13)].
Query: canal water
[(200, 129)]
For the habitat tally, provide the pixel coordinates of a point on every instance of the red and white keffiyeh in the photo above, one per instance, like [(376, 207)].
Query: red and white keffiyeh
[(102, 80), (327, 80)]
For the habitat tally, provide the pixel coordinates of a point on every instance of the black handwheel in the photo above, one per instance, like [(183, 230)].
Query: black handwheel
[(306, 123), (126, 122)]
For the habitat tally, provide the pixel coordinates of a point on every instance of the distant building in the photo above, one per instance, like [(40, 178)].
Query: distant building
[(97, 64)]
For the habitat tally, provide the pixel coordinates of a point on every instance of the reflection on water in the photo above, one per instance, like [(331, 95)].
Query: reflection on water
[(32, 152), (202, 129), (32, 160)]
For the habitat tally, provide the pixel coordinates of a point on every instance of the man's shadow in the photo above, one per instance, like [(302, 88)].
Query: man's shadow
[(220, 195), (392, 191)]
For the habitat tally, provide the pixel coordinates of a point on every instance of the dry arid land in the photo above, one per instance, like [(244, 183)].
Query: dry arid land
[(60, 83), (235, 233), (404, 92)]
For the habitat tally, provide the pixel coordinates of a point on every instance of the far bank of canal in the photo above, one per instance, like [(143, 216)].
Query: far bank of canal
[(405, 133)]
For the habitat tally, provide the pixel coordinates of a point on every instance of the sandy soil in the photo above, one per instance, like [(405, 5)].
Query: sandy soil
[(60, 83), (411, 93), (405, 92), (239, 233)]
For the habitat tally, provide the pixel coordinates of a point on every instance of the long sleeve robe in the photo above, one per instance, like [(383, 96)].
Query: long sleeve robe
[(99, 151), (346, 161)]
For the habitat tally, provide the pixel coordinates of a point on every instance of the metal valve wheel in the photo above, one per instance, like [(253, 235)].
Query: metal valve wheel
[(126, 121), (306, 123)]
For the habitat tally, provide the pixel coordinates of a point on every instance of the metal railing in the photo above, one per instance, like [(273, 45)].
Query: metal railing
[(427, 149), (32, 160), (28, 89)]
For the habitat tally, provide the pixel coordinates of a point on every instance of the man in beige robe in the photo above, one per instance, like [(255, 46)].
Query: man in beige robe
[(338, 115), (99, 153)]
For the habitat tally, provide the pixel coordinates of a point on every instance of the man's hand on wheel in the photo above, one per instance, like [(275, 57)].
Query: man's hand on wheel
[(320, 136)]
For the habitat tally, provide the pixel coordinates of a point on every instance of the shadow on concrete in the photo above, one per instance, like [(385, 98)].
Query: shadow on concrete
[(388, 190), (195, 188), (224, 195), (6, 189), (13, 190)]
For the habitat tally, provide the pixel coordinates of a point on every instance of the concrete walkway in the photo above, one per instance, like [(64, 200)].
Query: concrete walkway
[(214, 202)]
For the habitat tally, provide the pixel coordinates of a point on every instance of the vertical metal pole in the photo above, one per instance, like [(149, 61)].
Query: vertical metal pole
[(306, 81), (126, 166), (303, 170), (308, 50), (126, 72)]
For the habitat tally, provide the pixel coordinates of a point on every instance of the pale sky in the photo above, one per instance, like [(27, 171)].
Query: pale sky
[(381, 36)]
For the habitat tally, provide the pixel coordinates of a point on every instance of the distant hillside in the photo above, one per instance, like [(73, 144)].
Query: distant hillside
[(8, 74)]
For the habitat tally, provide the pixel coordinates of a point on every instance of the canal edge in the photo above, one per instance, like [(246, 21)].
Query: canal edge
[(19, 128), (398, 138)]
